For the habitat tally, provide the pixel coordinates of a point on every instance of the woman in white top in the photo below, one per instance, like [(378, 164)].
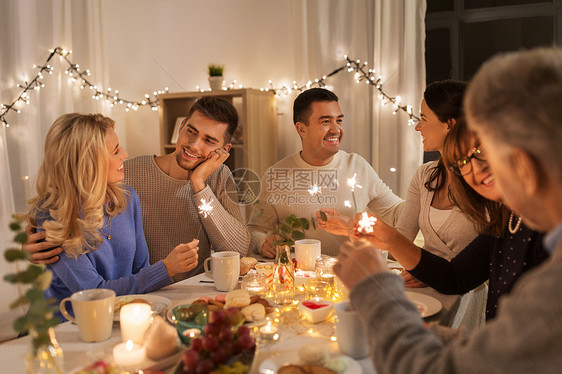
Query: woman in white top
[(429, 206)]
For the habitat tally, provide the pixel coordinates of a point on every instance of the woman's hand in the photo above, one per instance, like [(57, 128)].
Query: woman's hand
[(411, 281), (383, 236), (336, 224), (358, 260), (183, 258)]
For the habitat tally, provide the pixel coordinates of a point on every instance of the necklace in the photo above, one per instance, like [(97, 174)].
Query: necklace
[(108, 223), (511, 229)]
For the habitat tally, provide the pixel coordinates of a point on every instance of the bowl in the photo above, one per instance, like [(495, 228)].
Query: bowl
[(190, 320), (316, 310)]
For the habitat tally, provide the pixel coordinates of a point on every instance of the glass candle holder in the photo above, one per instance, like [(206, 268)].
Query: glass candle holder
[(325, 276), (255, 284)]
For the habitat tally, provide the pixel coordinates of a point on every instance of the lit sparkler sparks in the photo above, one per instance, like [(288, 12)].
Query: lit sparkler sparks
[(352, 183), (314, 190), (366, 223), (205, 208)]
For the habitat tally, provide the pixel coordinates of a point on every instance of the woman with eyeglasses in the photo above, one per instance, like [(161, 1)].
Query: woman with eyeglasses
[(505, 248)]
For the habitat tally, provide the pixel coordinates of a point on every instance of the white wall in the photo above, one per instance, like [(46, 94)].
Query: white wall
[(152, 44)]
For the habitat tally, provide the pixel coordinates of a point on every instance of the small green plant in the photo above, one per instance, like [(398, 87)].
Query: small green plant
[(292, 229), (216, 70), (39, 316)]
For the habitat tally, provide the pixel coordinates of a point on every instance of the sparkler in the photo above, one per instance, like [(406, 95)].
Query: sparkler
[(314, 190), (352, 183), (205, 209), (366, 223)]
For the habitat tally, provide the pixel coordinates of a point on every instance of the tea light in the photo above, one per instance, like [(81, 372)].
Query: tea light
[(135, 320), (303, 277), (191, 333), (255, 284), (268, 332), (128, 354)]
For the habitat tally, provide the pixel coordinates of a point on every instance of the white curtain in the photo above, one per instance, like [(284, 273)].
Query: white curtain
[(29, 28), (390, 35)]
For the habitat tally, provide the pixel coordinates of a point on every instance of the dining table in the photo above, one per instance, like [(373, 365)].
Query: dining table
[(78, 354)]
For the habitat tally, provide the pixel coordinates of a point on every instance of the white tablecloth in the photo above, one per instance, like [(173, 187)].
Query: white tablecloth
[(76, 352)]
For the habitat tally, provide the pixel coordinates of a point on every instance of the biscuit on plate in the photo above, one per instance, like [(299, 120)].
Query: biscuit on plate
[(237, 298)]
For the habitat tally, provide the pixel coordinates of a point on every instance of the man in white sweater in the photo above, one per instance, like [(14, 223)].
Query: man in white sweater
[(513, 103), (288, 187)]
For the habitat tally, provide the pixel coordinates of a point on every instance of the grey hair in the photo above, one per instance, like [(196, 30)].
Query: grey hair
[(516, 98)]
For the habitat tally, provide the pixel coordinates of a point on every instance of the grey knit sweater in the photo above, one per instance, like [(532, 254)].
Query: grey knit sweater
[(170, 212), (525, 337)]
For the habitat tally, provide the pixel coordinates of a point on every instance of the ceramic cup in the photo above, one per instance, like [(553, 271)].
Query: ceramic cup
[(225, 269), (306, 253), (350, 332), (93, 313)]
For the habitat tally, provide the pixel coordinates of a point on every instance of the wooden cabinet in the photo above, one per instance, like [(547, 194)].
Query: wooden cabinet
[(254, 144)]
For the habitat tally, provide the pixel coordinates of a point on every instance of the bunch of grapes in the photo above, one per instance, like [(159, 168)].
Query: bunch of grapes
[(220, 341)]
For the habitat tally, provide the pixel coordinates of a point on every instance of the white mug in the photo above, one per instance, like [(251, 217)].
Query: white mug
[(225, 269), (93, 313), (350, 332), (306, 253)]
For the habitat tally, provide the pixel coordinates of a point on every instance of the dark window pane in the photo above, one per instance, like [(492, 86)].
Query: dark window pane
[(440, 5), (473, 4), (484, 39), (438, 55)]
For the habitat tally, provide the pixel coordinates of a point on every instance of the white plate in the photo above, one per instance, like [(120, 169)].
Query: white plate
[(427, 305), (158, 303), (272, 364), (172, 319)]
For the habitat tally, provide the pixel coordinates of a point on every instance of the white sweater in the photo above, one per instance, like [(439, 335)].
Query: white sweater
[(285, 191)]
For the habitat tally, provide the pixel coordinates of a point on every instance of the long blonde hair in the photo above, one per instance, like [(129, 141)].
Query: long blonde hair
[(72, 186)]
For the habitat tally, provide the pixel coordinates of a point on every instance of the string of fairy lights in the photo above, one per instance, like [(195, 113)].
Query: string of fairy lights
[(82, 76)]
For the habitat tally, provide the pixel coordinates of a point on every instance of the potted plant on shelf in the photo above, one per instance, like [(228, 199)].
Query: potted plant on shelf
[(45, 355), (215, 76)]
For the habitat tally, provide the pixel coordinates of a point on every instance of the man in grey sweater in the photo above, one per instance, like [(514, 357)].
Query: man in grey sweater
[(173, 187), (513, 104)]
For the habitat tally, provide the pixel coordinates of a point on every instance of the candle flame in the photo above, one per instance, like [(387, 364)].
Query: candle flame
[(366, 223), (205, 208), (129, 345)]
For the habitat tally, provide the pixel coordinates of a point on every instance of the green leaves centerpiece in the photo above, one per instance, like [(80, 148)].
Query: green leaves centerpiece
[(39, 317)]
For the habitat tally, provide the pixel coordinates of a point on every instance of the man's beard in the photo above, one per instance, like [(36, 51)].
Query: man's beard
[(186, 165)]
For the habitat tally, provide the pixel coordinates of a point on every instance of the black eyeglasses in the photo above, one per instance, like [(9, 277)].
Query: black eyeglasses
[(464, 165)]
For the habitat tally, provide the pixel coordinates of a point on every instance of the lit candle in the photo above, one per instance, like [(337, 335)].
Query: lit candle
[(191, 333), (135, 320), (268, 332), (128, 354)]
